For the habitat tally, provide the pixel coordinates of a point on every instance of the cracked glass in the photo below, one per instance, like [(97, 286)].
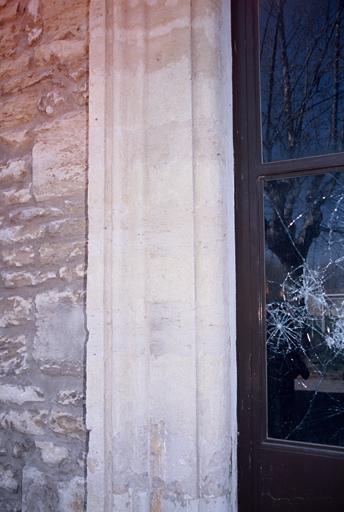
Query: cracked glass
[(304, 322)]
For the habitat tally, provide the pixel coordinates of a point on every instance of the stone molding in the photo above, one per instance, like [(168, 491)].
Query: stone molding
[(161, 374)]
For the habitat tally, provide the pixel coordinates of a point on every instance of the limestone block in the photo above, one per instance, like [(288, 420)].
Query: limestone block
[(16, 139), (9, 505), (70, 397), (67, 425), (15, 196), (65, 17), (30, 213), (14, 311), (3, 447), (19, 448), (20, 394), (9, 38), (51, 453), (11, 10), (22, 278), (19, 109), (8, 480), (68, 227), (72, 495), (13, 66), (13, 171), (20, 82), (13, 355), (71, 273), (60, 333), (66, 252), (34, 25), (39, 492), (27, 232), (26, 421), (65, 51), (33, 8), (51, 102), (59, 157), (18, 257), (21, 234), (65, 368)]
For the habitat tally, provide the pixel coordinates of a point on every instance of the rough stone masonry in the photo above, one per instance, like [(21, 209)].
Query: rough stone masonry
[(43, 120)]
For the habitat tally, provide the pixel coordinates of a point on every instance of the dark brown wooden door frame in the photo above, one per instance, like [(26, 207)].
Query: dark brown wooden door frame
[(249, 173)]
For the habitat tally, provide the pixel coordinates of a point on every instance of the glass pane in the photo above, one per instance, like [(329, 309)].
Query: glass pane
[(302, 77), (304, 260)]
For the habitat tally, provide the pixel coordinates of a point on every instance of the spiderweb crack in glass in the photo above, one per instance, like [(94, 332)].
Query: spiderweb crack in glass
[(304, 247), (283, 322)]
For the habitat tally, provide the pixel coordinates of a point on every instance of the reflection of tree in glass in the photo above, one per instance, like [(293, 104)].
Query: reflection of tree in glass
[(295, 213), (304, 219), (302, 77)]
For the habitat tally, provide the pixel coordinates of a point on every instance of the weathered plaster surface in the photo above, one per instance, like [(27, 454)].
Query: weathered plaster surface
[(161, 350)]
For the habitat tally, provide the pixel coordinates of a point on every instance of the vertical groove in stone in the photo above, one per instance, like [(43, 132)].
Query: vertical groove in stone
[(108, 252), (193, 64), (129, 335), (213, 192), (167, 353), (96, 419)]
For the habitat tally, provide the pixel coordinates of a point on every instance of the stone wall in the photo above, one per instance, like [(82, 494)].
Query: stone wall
[(43, 142)]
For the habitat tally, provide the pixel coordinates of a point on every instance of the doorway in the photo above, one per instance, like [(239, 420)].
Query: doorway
[(289, 152)]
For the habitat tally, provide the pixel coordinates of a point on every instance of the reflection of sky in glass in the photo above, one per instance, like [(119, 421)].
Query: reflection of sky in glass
[(304, 240), (302, 77)]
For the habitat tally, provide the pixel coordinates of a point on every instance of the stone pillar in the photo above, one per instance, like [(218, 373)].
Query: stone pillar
[(161, 383)]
